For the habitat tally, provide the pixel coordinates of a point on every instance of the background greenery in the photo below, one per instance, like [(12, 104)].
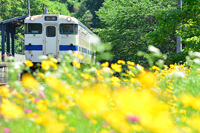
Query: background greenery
[(128, 26)]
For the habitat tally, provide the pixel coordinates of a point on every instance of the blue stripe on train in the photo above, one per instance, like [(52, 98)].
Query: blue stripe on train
[(61, 48), (68, 47), (84, 50), (33, 47)]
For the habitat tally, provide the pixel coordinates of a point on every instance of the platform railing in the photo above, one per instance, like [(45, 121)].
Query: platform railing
[(3, 73)]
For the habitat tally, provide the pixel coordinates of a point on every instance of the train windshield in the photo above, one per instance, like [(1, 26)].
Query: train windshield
[(33, 28), (69, 29)]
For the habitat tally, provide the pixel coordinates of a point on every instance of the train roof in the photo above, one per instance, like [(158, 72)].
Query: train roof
[(87, 29), (40, 19)]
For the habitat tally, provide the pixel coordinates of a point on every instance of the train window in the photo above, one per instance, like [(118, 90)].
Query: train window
[(68, 29), (33, 28), (50, 31), (50, 18)]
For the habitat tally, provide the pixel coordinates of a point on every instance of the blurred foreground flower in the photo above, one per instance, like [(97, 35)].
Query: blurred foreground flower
[(147, 79), (10, 110), (6, 130), (29, 81)]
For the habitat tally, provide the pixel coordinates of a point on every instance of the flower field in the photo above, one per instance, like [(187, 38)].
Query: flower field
[(122, 97)]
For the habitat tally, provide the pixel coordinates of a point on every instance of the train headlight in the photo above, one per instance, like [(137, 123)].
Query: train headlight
[(32, 18), (69, 19)]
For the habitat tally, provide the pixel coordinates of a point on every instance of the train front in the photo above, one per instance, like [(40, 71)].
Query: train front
[(49, 34)]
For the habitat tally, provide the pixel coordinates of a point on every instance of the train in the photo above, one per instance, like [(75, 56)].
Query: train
[(55, 35)]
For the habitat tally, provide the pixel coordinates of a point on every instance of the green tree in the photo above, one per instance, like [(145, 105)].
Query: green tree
[(127, 23), (183, 22)]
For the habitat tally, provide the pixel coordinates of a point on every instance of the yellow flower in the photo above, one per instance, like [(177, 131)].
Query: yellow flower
[(155, 68), (29, 81), (4, 92), (133, 80), (66, 69), (18, 95), (130, 63), (49, 121), (116, 67), (121, 62), (72, 129), (10, 110), (54, 60), (54, 66), (117, 120), (137, 128), (55, 127), (41, 75), (104, 131), (76, 64), (147, 79), (155, 117), (115, 80), (189, 100), (165, 66), (170, 91), (127, 75), (45, 64), (31, 115), (126, 80), (80, 56), (194, 122), (59, 86), (131, 73), (61, 117), (175, 98), (140, 68), (93, 102), (131, 67), (106, 64), (38, 120), (28, 63), (93, 121), (41, 106), (86, 76), (182, 111)]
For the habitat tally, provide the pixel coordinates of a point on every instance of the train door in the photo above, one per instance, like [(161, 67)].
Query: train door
[(51, 33)]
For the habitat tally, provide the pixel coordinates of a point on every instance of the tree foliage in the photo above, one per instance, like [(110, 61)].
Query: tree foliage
[(183, 22), (127, 22), (15, 8)]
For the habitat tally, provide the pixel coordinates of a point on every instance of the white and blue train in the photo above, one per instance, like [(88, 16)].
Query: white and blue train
[(56, 35)]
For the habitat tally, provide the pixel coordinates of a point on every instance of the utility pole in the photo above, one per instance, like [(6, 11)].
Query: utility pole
[(44, 8), (179, 39), (29, 13)]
